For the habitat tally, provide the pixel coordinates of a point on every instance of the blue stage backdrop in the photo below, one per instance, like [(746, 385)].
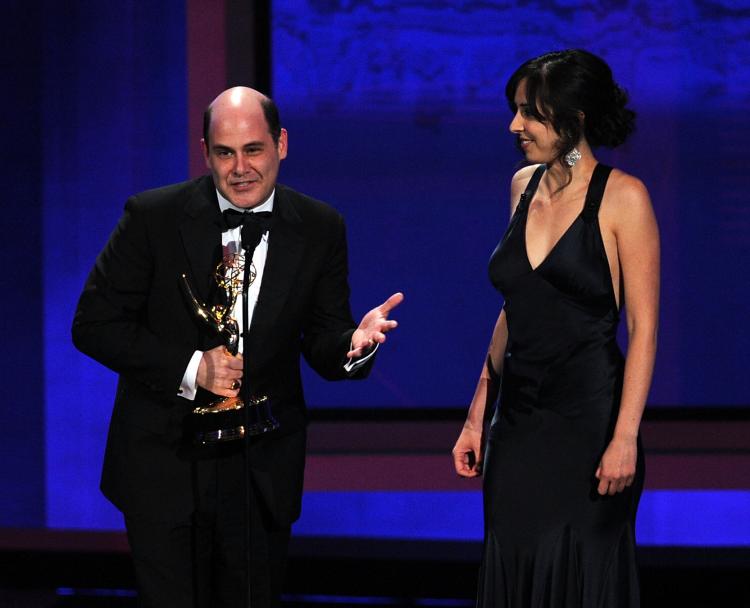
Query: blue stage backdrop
[(396, 116), (114, 123)]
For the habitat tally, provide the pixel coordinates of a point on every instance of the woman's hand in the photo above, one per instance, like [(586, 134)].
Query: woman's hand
[(616, 470), (467, 453)]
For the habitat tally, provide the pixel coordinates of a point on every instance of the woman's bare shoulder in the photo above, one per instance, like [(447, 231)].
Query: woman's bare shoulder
[(626, 199), (623, 187), (523, 175), (518, 184)]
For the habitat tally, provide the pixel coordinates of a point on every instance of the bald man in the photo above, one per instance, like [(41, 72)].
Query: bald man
[(184, 504)]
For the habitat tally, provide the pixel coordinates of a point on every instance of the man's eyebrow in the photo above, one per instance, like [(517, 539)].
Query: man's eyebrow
[(224, 148)]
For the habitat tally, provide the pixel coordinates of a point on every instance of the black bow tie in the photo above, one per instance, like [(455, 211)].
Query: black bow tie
[(254, 226), (233, 218)]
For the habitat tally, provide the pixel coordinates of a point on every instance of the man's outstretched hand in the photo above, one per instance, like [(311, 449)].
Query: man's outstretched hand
[(373, 327)]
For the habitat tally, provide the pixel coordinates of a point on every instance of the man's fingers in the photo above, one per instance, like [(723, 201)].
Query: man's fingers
[(379, 331), (391, 303), (376, 337), (226, 385), (220, 372), (234, 363)]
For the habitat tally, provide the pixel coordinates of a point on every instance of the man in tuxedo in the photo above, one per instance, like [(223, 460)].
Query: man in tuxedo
[(184, 504)]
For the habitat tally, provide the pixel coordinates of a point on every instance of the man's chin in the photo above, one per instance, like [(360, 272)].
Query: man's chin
[(244, 204), (245, 198)]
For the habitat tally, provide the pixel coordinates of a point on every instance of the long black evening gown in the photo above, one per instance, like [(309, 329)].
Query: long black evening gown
[(551, 541)]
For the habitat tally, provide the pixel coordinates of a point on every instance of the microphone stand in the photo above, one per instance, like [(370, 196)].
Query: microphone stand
[(248, 244), (245, 394)]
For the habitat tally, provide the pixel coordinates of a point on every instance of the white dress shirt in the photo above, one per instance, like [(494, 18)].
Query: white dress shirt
[(232, 243)]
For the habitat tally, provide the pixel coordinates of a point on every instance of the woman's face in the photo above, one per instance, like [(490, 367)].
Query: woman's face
[(538, 140)]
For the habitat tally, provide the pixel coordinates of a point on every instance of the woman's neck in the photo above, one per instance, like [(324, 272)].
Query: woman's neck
[(559, 176)]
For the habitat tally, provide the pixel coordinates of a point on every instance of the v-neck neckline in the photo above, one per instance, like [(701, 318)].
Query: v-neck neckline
[(554, 247), (561, 237)]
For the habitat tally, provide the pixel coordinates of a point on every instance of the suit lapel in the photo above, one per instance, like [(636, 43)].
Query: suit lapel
[(201, 238), (285, 249)]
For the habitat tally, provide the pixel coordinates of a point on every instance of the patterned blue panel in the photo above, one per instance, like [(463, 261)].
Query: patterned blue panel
[(396, 115)]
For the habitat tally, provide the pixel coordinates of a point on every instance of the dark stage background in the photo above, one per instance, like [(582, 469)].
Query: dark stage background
[(396, 116)]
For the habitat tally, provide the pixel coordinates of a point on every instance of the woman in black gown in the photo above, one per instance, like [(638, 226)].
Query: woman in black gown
[(562, 461)]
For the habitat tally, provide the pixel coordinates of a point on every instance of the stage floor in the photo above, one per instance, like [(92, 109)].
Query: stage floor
[(346, 572)]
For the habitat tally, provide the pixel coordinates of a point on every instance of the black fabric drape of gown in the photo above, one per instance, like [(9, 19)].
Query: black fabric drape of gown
[(551, 541)]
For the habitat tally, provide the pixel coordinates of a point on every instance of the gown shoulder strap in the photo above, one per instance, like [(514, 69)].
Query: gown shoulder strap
[(596, 191), (531, 187)]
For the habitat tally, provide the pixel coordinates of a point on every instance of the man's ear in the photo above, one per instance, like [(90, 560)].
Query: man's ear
[(283, 145), (204, 149)]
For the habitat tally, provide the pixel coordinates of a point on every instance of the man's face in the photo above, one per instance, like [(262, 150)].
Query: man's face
[(242, 157)]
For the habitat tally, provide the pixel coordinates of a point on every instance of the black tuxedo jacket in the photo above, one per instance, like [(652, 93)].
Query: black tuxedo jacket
[(133, 317)]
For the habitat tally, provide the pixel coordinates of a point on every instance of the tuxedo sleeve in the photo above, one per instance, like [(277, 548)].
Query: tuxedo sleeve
[(113, 324), (329, 325)]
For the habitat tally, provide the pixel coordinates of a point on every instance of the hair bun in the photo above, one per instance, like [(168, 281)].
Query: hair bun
[(613, 127)]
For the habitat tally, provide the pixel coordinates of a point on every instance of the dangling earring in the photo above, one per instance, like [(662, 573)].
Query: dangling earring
[(572, 157)]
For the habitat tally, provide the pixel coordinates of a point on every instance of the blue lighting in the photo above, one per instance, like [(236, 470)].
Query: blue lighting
[(395, 115), (116, 128), (94, 593), (665, 517), (694, 518)]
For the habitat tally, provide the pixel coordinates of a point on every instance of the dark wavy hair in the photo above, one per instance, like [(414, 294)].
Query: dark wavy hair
[(563, 84)]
